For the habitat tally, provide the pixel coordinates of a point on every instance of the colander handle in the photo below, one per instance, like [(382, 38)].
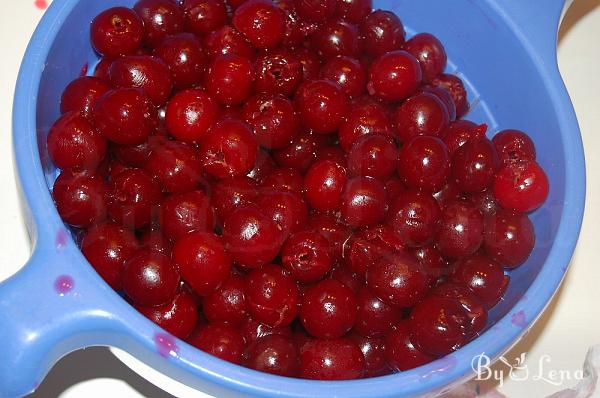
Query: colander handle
[(45, 313), (537, 20)]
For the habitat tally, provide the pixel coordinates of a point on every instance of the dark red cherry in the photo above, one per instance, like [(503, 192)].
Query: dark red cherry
[(81, 94), (284, 179), (509, 238), (364, 117), (190, 114), (221, 340), (307, 256), (348, 73), (251, 237), (471, 304), (321, 105), (253, 330), (178, 317), (364, 202), (152, 238), (229, 79), (125, 116), (433, 263), (273, 119), (521, 186), (227, 40), (278, 71), (373, 350), (483, 276), (132, 197), (400, 353), (382, 32), (336, 232), (204, 16), (233, 193), (261, 21), (310, 61), (337, 359), (460, 132), (107, 247), (186, 212), (80, 198), (228, 303), (363, 250), (398, 279), (335, 38), (186, 58), (461, 230), (138, 155), (150, 278), (73, 143), (228, 149), (456, 88), (143, 71), (422, 114), (444, 96), (202, 260), (474, 165), (354, 11), (263, 166), (161, 18), (272, 296), (438, 326), (344, 274), (117, 31), (101, 69), (301, 153), (287, 209), (448, 194), (294, 34), (315, 10), (394, 76), (374, 317), (424, 163), (514, 145), (176, 165), (374, 156), (273, 354), (323, 185), (430, 52), (415, 218)]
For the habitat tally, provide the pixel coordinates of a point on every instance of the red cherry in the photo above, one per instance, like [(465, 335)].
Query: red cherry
[(382, 32), (315, 10), (337, 359), (278, 71), (364, 117), (273, 354), (186, 212), (336, 232), (430, 52), (509, 238), (150, 278), (400, 353), (229, 79), (161, 18), (178, 317), (323, 185), (176, 165), (373, 350), (348, 73), (287, 209), (204, 16), (117, 31), (80, 198), (354, 11), (473, 307), (186, 58), (143, 71), (459, 132), (461, 230), (456, 88), (284, 179), (273, 119), (307, 256), (483, 276), (261, 21), (374, 317), (474, 165), (422, 114), (415, 218), (228, 303), (373, 156), (521, 186), (233, 193), (364, 202), (336, 38), (221, 340), (81, 94), (424, 163), (227, 40), (132, 197), (514, 145), (321, 105), (394, 76), (190, 114)]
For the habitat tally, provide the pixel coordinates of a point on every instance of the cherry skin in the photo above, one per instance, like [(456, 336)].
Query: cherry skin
[(354, 11), (374, 317), (101, 69), (293, 35), (273, 118), (485, 201), (253, 330), (161, 18), (307, 256), (178, 317), (152, 238), (474, 308), (186, 58), (227, 40), (73, 143), (263, 166), (274, 354), (81, 94), (80, 198), (150, 278), (422, 114), (433, 263), (336, 232), (509, 238), (444, 96), (301, 153), (186, 212), (204, 16), (228, 303), (415, 218), (202, 260), (132, 197), (117, 31), (229, 79), (315, 10), (394, 76), (374, 156), (176, 165), (272, 296), (251, 237), (321, 105), (190, 114), (362, 250), (125, 116), (363, 202), (483, 276), (323, 185), (232, 193), (337, 359), (138, 155), (514, 145), (107, 247), (373, 350), (284, 179), (310, 61), (456, 88), (364, 117), (335, 38), (474, 165), (382, 32), (521, 186), (430, 52), (348, 73), (438, 326), (261, 21), (424, 163), (287, 209), (459, 132), (461, 230), (228, 149), (400, 352), (278, 71), (398, 280), (221, 340), (143, 71)]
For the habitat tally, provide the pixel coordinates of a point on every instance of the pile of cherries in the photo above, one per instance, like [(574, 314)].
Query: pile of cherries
[(288, 184)]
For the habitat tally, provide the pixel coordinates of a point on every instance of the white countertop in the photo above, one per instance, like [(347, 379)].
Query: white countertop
[(558, 341)]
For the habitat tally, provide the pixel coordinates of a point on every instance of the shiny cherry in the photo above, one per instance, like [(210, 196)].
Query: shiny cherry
[(227, 40), (348, 72), (310, 61), (521, 186), (117, 31), (422, 114), (509, 237), (323, 185), (301, 153), (81, 94), (186, 212), (204, 16), (424, 163), (400, 352), (178, 317), (80, 198), (336, 37), (228, 303), (374, 317), (287, 209), (364, 117), (221, 340), (161, 18), (430, 52), (336, 232), (261, 21), (176, 165), (444, 96), (474, 165), (483, 276), (273, 119), (150, 278), (263, 166), (460, 132), (337, 359), (307, 256), (143, 71), (471, 304), (461, 230), (321, 105), (190, 114), (315, 10), (514, 145), (293, 35), (415, 218), (132, 197), (373, 350), (374, 156), (232, 193), (229, 79), (284, 179), (253, 330), (354, 11), (382, 32), (456, 88), (186, 58), (363, 202), (278, 71), (273, 354)]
